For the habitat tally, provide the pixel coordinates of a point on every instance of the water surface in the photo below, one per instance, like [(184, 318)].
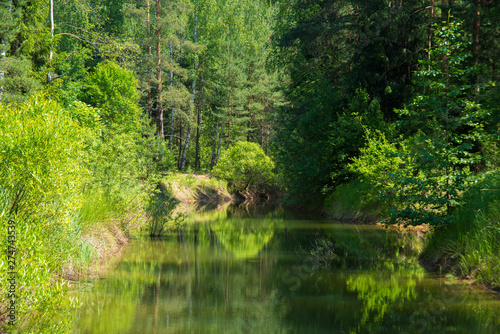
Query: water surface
[(264, 270)]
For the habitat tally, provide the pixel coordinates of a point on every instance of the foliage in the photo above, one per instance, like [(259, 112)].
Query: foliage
[(355, 201), (160, 209), (333, 90), (379, 160), (450, 127), (40, 180), (468, 246), (113, 90), (18, 82), (377, 168), (247, 168), (40, 147)]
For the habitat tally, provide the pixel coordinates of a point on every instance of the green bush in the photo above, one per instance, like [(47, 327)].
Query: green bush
[(113, 90), (40, 178), (246, 168), (379, 160)]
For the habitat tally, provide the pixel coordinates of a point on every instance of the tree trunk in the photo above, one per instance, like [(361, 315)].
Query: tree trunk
[(261, 137), (148, 23), (161, 132), (198, 118), (229, 111), (444, 18), (172, 116), (249, 99), (186, 146), (198, 125), (477, 30), (220, 144), (211, 162), (3, 54), (180, 144), (51, 55), (429, 36), (2, 72)]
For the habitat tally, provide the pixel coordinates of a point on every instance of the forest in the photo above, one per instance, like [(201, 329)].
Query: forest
[(365, 110)]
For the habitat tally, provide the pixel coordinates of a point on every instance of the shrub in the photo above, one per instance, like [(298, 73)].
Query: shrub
[(246, 168), (40, 180), (113, 90)]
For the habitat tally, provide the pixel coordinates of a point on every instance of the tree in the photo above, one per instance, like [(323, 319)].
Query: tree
[(448, 128), (247, 169), (113, 90), (17, 78)]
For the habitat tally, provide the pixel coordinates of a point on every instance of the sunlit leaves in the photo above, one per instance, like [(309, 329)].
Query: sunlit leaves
[(246, 168)]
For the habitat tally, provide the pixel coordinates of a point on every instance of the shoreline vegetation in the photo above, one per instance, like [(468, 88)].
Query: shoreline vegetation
[(181, 189), (365, 110), (466, 248)]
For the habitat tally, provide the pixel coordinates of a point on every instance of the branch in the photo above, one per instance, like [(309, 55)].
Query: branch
[(81, 39)]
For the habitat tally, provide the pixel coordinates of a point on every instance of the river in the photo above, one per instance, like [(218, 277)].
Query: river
[(263, 269)]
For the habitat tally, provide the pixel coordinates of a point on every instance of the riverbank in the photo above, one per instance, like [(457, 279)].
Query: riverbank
[(186, 188), (107, 239), (466, 247), (198, 275), (107, 243)]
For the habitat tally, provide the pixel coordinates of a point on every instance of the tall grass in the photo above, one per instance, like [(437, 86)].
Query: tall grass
[(98, 208), (355, 201), (470, 245)]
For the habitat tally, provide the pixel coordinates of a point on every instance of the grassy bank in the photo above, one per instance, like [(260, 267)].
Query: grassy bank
[(467, 247), (187, 188)]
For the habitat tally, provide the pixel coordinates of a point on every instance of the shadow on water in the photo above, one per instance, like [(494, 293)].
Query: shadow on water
[(261, 269)]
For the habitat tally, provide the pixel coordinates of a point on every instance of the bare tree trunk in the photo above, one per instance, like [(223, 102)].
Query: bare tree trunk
[(444, 18), (249, 100), (148, 22), (186, 146), (188, 135), (161, 132), (198, 125), (229, 111), (3, 54), (51, 55), (477, 30), (220, 144), (261, 137), (180, 144), (2, 71), (198, 118), (211, 162), (429, 36), (172, 116)]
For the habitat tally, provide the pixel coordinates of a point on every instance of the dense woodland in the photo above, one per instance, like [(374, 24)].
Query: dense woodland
[(386, 107)]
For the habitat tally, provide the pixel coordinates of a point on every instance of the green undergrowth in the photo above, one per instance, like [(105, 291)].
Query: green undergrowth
[(354, 202), (70, 187), (469, 246), (365, 246)]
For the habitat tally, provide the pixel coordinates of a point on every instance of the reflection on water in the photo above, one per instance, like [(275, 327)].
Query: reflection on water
[(255, 270)]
